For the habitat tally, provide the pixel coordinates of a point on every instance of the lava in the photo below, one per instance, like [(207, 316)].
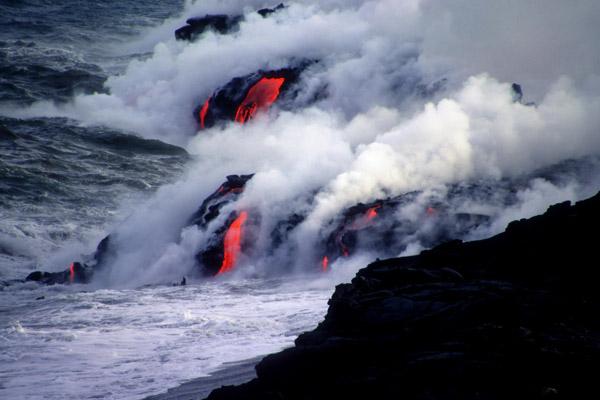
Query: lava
[(430, 211), (72, 272), (325, 263), (232, 244), (260, 96), (365, 220), (203, 112), (372, 212), (344, 236), (211, 206)]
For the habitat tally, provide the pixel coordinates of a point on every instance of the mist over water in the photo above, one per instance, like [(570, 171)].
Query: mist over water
[(403, 110), (410, 96)]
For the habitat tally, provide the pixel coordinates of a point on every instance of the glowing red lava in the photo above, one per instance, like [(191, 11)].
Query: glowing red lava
[(365, 220), (372, 212), (72, 272), (203, 112), (232, 244), (325, 263), (260, 96), (430, 211)]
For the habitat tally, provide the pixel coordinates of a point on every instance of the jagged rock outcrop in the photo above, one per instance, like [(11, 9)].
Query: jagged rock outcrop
[(219, 23), (512, 316), (76, 273)]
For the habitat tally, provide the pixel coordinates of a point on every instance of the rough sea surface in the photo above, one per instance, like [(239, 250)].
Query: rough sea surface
[(61, 181), (63, 185)]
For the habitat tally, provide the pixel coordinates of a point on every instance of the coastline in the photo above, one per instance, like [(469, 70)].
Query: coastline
[(233, 373), (511, 316)]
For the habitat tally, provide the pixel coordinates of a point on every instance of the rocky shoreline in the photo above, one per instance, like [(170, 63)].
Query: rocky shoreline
[(512, 316)]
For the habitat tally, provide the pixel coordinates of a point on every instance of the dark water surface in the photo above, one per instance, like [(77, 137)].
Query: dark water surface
[(59, 180)]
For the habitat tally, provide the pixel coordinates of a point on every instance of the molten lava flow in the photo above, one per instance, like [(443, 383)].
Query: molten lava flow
[(360, 222), (72, 272), (232, 244), (203, 112), (365, 220), (372, 212), (260, 96), (325, 263)]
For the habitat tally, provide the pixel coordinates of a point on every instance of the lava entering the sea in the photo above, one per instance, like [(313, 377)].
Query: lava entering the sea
[(232, 243)]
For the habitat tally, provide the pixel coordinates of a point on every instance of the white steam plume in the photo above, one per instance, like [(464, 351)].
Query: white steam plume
[(381, 131)]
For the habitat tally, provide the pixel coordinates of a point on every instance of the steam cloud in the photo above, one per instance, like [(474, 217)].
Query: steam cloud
[(418, 97)]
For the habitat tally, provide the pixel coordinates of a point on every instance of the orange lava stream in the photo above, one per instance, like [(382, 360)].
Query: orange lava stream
[(203, 112), (260, 96), (232, 243), (325, 263)]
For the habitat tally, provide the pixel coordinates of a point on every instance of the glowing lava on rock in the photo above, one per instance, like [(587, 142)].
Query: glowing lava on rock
[(365, 220), (203, 112), (344, 235), (232, 244), (260, 96), (325, 263), (372, 212), (72, 272)]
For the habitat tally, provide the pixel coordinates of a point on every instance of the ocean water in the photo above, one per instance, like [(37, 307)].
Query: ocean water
[(97, 137), (127, 344), (64, 184)]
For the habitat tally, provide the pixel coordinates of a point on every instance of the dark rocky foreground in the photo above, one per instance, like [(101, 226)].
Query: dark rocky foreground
[(513, 316)]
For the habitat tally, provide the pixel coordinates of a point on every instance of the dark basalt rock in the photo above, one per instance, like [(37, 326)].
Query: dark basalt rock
[(79, 272), (512, 316), (220, 23), (196, 26), (102, 253), (76, 273), (265, 12), (376, 226), (225, 194)]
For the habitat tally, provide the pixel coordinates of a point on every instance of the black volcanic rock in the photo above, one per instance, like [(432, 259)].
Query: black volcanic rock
[(225, 194), (265, 12), (76, 273), (378, 226), (514, 316), (220, 23), (198, 25)]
